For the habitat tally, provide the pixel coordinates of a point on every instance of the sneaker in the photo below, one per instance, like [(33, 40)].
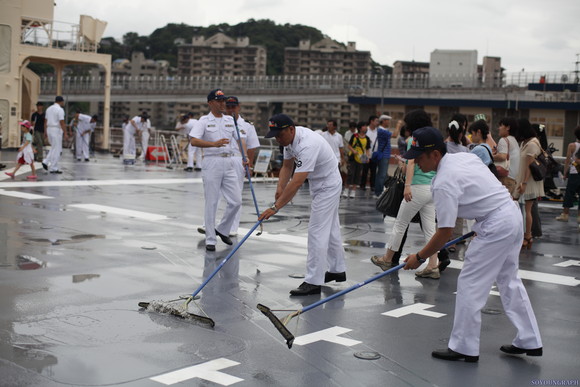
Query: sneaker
[(352, 194), (344, 193), (306, 289), (428, 273), (562, 217), (377, 260)]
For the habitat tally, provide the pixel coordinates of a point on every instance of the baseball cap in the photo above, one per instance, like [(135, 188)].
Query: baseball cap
[(59, 99), (144, 115), (480, 116), (278, 123), (232, 101), (216, 94), (385, 117), (424, 139), (25, 123)]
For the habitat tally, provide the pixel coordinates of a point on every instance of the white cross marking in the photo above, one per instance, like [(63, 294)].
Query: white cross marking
[(418, 308), (330, 335), (207, 371), (568, 263), (24, 195)]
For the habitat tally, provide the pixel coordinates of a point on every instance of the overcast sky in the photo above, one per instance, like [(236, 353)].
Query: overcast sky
[(535, 35)]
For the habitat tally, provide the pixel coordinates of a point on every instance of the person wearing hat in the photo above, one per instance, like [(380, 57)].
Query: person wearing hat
[(38, 134), (222, 168), (250, 142), (25, 152), (55, 129), (142, 127), (383, 146), (314, 160), (464, 187)]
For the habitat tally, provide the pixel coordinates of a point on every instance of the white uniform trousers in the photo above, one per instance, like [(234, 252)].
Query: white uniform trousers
[(82, 145), (144, 143), (493, 255), (193, 153), (325, 250), (54, 134), (129, 147), (236, 223), (421, 202), (221, 176)]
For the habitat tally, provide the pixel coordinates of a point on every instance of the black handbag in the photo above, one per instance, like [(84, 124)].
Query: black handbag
[(390, 200), (539, 167)]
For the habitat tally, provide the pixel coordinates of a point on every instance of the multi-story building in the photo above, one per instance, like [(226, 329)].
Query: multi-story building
[(326, 57), (221, 55), (405, 68), (491, 72)]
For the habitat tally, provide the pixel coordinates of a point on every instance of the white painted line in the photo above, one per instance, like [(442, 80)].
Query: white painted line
[(534, 276), (418, 308), (208, 371), (24, 195), (331, 335), (22, 171), (100, 183), (568, 263), (119, 211)]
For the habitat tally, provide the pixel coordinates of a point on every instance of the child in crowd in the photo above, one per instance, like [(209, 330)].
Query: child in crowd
[(25, 152)]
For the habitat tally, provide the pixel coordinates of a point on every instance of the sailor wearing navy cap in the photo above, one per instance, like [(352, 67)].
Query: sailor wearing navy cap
[(464, 187), (315, 160), (249, 139), (222, 168)]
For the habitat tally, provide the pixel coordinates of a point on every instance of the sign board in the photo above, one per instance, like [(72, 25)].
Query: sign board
[(156, 153), (263, 161)]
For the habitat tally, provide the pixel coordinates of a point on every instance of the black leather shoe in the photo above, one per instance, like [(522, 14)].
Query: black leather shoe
[(210, 247), (226, 239), (338, 277), (45, 166), (188, 169), (201, 230), (306, 289), (513, 350), (449, 354)]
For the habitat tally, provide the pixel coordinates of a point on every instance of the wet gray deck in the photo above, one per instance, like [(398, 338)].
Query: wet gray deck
[(69, 314)]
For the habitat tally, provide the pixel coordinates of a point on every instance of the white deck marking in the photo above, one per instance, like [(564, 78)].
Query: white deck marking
[(119, 211), (534, 276), (208, 371), (331, 335), (86, 183), (418, 308), (568, 263), (22, 171), (24, 195)]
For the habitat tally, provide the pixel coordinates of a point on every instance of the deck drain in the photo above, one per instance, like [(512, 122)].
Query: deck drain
[(367, 355)]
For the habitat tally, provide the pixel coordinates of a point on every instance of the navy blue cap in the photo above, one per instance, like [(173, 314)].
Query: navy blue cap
[(232, 101), (278, 123), (424, 139), (216, 95)]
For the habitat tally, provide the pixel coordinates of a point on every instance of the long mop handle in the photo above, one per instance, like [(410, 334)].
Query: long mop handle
[(226, 259), (247, 168), (376, 277)]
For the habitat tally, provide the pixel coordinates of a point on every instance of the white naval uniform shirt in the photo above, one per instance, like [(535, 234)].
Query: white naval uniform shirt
[(249, 131), (335, 141), (313, 154), (464, 187), (84, 123), (372, 135), (54, 114), (142, 126), (211, 128)]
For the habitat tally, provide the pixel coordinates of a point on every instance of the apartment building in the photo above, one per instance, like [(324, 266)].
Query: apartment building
[(221, 55)]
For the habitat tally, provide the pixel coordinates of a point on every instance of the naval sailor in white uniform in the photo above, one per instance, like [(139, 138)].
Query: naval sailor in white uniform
[(315, 160), (465, 188), (222, 167)]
